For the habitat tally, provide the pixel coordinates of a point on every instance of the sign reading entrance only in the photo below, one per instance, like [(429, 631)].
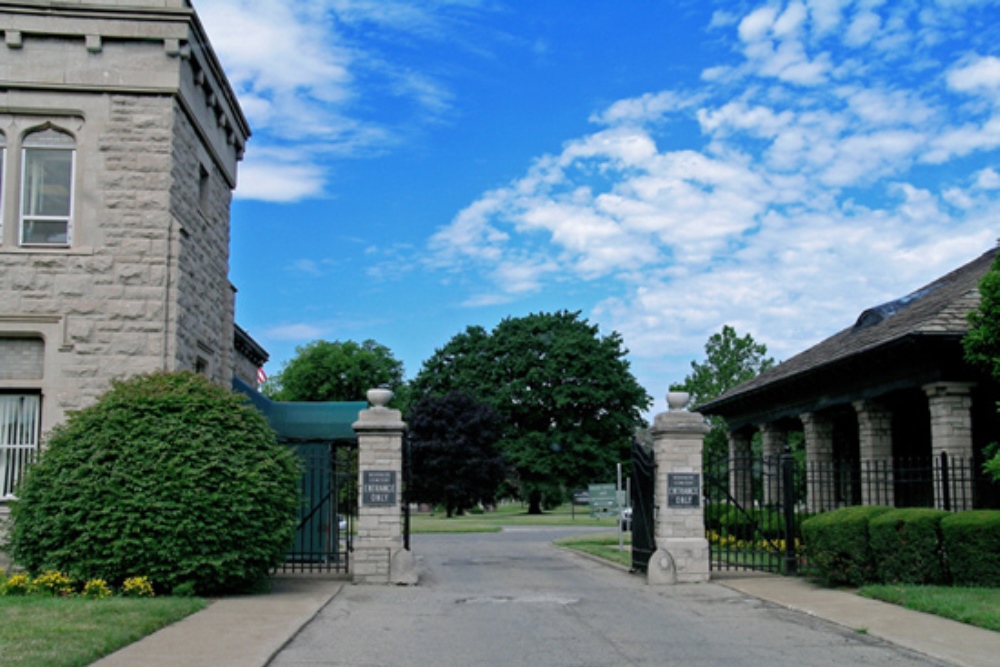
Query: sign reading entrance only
[(378, 487), (683, 489)]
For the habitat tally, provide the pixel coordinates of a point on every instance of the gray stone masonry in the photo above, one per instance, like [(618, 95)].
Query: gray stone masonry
[(817, 429), (875, 446), (143, 283), (681, 554), (951, 432), (379, 556), (740, 470), (774, 437)]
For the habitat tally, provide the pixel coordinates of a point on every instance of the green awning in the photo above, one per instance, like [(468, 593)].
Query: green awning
[(305, 422)]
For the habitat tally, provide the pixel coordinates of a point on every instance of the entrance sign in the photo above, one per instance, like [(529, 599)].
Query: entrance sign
[(683, 489), (378, 487), (603, 500)]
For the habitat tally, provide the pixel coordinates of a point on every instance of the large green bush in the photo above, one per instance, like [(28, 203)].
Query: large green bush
[(837, 545), (972, 547), (906, 545), (167, 476)]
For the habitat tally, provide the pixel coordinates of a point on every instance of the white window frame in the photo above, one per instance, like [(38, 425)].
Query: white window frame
[(47, 140), (20, 427)]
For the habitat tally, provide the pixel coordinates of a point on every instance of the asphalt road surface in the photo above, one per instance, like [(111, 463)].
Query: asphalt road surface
[(512, 599)]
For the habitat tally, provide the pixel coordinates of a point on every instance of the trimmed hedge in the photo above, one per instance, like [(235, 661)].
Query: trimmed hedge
[(972, 546), (167, 476), (837, 545), (906, 546)]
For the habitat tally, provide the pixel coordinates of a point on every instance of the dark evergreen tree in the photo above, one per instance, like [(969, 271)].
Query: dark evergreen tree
[(456, 463)]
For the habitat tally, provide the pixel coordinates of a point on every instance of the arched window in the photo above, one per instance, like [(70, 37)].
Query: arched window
[(47, 188)]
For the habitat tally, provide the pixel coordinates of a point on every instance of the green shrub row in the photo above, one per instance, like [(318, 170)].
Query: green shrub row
[(871, 544)]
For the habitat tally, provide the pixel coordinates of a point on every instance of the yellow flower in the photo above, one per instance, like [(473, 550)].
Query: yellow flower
[(137, 587), (96, 589)]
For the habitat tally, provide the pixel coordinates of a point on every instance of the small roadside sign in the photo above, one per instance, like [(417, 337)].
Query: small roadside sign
[(603, 500)]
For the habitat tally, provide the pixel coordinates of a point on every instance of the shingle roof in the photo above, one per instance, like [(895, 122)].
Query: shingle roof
[(938, 309)]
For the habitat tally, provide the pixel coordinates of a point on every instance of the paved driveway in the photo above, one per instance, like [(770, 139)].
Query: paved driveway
[(512, 599)]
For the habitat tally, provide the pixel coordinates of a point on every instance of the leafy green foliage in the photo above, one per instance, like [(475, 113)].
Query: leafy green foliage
[(972, 542), (837, 545), (167, 476), (982, 342), (730, 360), (569, 401), (907, 548), (455, 459), (337, 371)]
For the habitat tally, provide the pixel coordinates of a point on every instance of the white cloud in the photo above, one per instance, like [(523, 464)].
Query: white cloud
[(295, 332), (797, 206), (304, 82), (981, 75), (279, 182)]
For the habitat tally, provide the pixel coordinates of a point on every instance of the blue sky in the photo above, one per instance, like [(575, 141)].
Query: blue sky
[(664, 167)]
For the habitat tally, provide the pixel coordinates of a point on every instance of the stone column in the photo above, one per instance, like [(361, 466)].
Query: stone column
[(951, 434), (875, 446), (379, 556), (774, 438), (681, 548), (820, 485), (741, 467)]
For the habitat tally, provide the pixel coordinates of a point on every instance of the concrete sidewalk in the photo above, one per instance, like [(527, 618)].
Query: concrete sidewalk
[(940, 638), (248, 631), (241, 631)]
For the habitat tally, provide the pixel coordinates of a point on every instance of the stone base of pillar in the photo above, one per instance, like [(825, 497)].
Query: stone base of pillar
[(380, 564), (679, 561), (403, 569)]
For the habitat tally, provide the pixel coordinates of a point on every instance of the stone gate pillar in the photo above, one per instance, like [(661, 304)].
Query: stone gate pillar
[(817, 429), (681, 548), (875, 447), (379, 556), (774, 437), (951, 434)]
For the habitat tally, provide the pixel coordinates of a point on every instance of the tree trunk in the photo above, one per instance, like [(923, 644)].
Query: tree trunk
[(535, 503)]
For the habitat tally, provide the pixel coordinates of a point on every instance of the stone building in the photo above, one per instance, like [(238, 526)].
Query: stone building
[(878, 401), (119, 142)]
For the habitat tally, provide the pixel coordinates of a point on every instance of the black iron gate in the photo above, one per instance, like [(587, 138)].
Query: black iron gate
[(750, 517), (323, 539), (643, 514)]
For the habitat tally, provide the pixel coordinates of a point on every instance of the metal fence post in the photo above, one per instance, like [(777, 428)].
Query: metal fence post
[(788, 502)]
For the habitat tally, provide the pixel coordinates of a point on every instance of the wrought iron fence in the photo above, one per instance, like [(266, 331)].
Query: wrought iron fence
[(755, 505), (324, 536)]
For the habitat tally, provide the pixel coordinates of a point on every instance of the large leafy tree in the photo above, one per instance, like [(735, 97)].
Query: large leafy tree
[(982, 342), (568, 398), (730, 360), (455, 459), (336, 371)]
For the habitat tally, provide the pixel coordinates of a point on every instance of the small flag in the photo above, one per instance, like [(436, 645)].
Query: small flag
[(261, 375)]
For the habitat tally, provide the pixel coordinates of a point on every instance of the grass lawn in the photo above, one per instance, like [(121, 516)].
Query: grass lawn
[(72, 632), (513, 514), (602, 545), (975, 606)]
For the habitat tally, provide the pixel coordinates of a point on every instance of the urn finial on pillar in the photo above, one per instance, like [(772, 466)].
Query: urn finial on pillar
[(678, 400), (379, 397)]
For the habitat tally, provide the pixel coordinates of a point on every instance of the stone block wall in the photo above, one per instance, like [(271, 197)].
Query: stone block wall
[(143, 284)]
